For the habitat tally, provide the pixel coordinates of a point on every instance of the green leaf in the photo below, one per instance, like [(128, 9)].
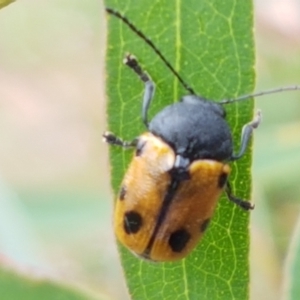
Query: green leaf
[(23, 284), (4, 3), (291, 289), (210, 43)]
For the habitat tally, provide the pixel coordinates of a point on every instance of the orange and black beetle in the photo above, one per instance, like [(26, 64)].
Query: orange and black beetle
[(178, 171), (176, 176)]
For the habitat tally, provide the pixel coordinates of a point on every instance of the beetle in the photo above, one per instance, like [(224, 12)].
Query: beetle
[(179, 169)]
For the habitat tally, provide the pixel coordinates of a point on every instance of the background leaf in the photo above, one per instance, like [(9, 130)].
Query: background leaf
[(291, 286), (4, 3), (54, 198), (211, 45), (25, 284)]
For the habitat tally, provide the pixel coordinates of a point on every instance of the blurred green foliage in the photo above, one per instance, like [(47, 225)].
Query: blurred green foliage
[(4, 3), (55, 199)]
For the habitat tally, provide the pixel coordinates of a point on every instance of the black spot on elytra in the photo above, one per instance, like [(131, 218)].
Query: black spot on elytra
[(204, 225), (123, 192), (178, 240), (222, 180), (133, 222)]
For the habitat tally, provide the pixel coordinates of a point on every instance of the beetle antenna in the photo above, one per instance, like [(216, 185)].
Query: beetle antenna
[(152, 45), (273, 91)]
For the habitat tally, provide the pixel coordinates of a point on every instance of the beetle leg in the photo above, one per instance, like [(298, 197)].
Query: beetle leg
[(111, 139), (246, 135), (240, 202), (132, 63)]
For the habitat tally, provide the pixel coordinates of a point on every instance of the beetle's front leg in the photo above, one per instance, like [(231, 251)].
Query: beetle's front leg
[(246, 135), (133, 64)]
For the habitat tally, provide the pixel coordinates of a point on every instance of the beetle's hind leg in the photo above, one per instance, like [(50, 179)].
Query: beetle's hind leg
[(240, 202), (132, 63), (111, 139), (246, 135)]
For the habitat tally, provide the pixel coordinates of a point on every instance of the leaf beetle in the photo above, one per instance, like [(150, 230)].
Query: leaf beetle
[(179, 169)]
